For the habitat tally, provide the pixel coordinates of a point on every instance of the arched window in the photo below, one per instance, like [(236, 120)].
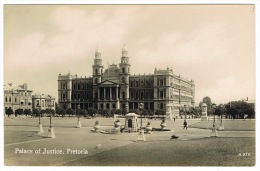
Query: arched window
[(114, 105), (132, 84), (123, 70), (123, 79), (96, 71), (123, 106), (107, 105), (96, 80)]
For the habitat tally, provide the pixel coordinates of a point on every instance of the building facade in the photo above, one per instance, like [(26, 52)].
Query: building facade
[(17, 97), (43, 102), (116, 88)]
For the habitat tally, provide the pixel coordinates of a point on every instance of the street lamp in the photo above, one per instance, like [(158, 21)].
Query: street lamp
[(40, 124), (214, 130), (51, 131), (78, 123), (140, 109), (221, 128)]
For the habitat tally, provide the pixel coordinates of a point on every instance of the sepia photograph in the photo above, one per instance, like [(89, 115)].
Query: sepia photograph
[(149, 85)]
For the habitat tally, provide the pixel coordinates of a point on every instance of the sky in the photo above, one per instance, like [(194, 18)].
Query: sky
[(212, 44)]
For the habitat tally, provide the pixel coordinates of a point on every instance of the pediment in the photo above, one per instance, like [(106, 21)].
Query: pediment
[(108, 82)]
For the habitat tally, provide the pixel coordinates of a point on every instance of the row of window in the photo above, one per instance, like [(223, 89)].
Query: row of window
[(141, 83), (44, 103), (82, 86)]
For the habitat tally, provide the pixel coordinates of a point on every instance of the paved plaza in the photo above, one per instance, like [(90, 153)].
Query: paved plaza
[(81, 147)]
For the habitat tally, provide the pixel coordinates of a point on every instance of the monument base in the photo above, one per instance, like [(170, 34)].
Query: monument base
[(51, 133), (141, 136), (221, 127), (79, 124), (214, 132)]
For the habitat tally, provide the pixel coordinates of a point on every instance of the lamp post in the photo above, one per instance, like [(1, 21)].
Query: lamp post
[(51, 130), (214, 130), (140, 109), (40, 124), (78, 123), (221, 128)]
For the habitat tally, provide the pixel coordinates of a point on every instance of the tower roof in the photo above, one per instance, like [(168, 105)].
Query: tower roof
[(97, 53)]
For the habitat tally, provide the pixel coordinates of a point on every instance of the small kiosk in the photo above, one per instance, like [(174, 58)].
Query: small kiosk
[(131, 122)]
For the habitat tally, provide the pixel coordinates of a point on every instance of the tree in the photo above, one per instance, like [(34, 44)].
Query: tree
[(118, 112), (124, 112), (83, 112), (238, 109), (106, 112), (36, 112), (27, 112), (150, 112), (63, 112), (9, 111), (144, 112), (113, 111), (19, 112), (91, 112), (70, 111)]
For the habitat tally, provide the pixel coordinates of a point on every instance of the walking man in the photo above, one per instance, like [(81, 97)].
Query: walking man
[(185, 124)]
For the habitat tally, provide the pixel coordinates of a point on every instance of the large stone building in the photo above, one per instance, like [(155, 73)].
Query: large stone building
[(17, 97), (115, 88)]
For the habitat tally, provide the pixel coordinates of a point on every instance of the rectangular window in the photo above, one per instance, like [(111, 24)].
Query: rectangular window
[(161, 94), (161, 105)]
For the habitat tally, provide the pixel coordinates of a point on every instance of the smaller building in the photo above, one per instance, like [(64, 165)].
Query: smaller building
[(43, 101), (17, 97)]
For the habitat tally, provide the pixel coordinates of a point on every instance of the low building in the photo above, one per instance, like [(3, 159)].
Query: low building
[(17, 97), (43, 101)]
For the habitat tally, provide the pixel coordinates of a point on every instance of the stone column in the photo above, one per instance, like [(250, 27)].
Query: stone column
[(168, 112), (98, 93), (116, 93), (204, 116), (110, 89), (104, 93)]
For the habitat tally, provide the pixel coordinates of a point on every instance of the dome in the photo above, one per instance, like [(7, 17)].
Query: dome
[(131, 114)]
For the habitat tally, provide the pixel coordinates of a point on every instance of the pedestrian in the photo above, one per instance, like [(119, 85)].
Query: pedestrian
[(174, 118), (185, 124)]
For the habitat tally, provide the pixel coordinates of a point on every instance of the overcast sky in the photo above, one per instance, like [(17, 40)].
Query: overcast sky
[(212, 44)]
